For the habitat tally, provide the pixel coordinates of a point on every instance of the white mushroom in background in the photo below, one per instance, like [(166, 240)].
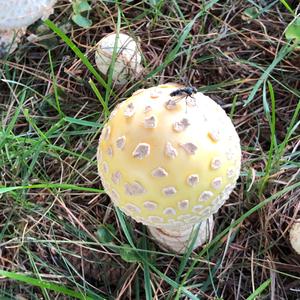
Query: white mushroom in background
[(16, 16), (169, 162), (128, 60), (295, 236)]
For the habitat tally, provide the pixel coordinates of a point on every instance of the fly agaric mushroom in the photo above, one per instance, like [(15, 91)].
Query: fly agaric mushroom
[(169, 162), (295, 236), (15, 16), (128, 60)]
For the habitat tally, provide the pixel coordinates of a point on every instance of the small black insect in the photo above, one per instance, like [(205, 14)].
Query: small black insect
[(186, 91)]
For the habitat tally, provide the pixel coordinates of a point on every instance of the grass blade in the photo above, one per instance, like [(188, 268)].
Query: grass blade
[(236, 223), (259, 290), (50, 186), (45, 285), (281, 55), (173, 54), (76, 50), (100, 98)]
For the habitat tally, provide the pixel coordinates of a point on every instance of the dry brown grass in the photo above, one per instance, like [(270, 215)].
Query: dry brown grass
[(50, 233)]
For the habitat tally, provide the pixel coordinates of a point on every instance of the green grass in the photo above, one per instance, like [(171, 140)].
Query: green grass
[(44, 285), (60, 236)]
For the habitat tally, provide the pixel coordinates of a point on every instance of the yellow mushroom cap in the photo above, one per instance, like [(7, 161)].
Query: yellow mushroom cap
[(168, 161), (295, 236)]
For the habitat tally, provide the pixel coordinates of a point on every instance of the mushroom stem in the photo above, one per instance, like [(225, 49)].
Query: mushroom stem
[(178, 240)]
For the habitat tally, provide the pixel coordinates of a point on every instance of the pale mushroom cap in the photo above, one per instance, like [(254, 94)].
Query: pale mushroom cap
[(128, 61), (295, 236), (166, 163), (15, 14)]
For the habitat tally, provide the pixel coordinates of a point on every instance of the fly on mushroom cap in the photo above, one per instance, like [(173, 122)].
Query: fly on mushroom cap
[(177, 171)]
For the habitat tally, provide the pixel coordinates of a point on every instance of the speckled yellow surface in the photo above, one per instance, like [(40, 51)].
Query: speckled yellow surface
[(168, 160)]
